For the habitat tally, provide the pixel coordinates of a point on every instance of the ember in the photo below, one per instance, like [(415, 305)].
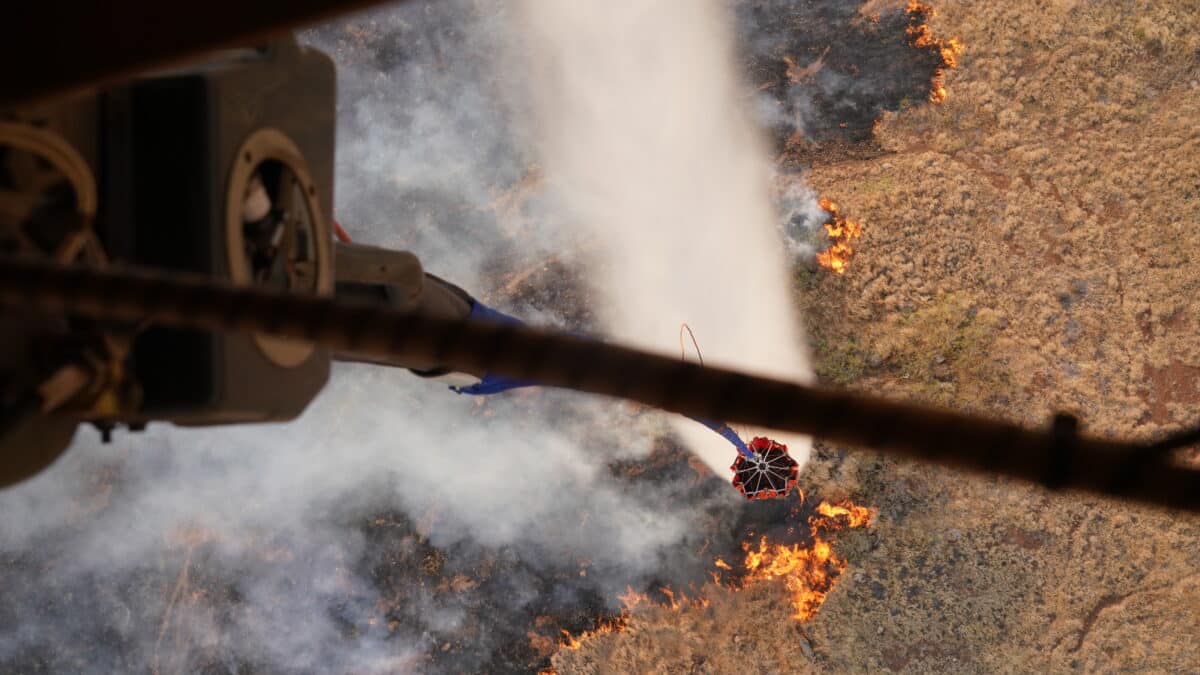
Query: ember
[(842, 231)]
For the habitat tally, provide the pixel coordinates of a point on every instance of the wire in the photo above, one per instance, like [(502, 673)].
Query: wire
[(683, 356), (682, 352)]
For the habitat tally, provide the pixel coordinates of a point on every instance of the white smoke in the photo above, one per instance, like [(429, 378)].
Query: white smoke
[(278, 512), (801, 216), (645, 130), (249, 548)]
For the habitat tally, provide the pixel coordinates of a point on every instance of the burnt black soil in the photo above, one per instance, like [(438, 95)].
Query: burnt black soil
[(847, 66)]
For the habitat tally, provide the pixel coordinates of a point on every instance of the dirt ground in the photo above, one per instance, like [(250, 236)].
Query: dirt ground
[(1027, 249)]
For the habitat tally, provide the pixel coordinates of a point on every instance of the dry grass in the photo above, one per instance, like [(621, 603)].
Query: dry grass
[(1057, 192), (1030, 247), (727, 636)]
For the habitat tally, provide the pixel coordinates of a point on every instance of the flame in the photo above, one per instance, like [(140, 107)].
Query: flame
[(842, 231), (921, 36), (607, 625), (857, 516), (630, 601), (808, 572)]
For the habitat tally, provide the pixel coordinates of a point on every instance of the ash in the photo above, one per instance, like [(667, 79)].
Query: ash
[(827, 70)]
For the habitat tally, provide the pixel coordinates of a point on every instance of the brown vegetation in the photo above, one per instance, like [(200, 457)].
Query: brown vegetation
[(1029, 246)]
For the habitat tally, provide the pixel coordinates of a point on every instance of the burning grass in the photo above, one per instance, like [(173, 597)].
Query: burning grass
[(807, 569), (921, 36), (842, 232), (837, 97), (401, 571), (1009, 270), (830, 68)]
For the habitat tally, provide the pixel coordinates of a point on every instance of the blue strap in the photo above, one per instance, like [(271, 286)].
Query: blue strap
[(492, 384), (728, 434), (481, 312)]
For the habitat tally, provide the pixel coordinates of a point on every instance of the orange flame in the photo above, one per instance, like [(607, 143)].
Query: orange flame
[(808, 572), (630, 600), (856, 516), (842, 231), (921, 36), (614, 625)]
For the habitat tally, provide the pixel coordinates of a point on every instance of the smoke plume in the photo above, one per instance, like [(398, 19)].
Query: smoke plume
[(646, 132), (396, 527)]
